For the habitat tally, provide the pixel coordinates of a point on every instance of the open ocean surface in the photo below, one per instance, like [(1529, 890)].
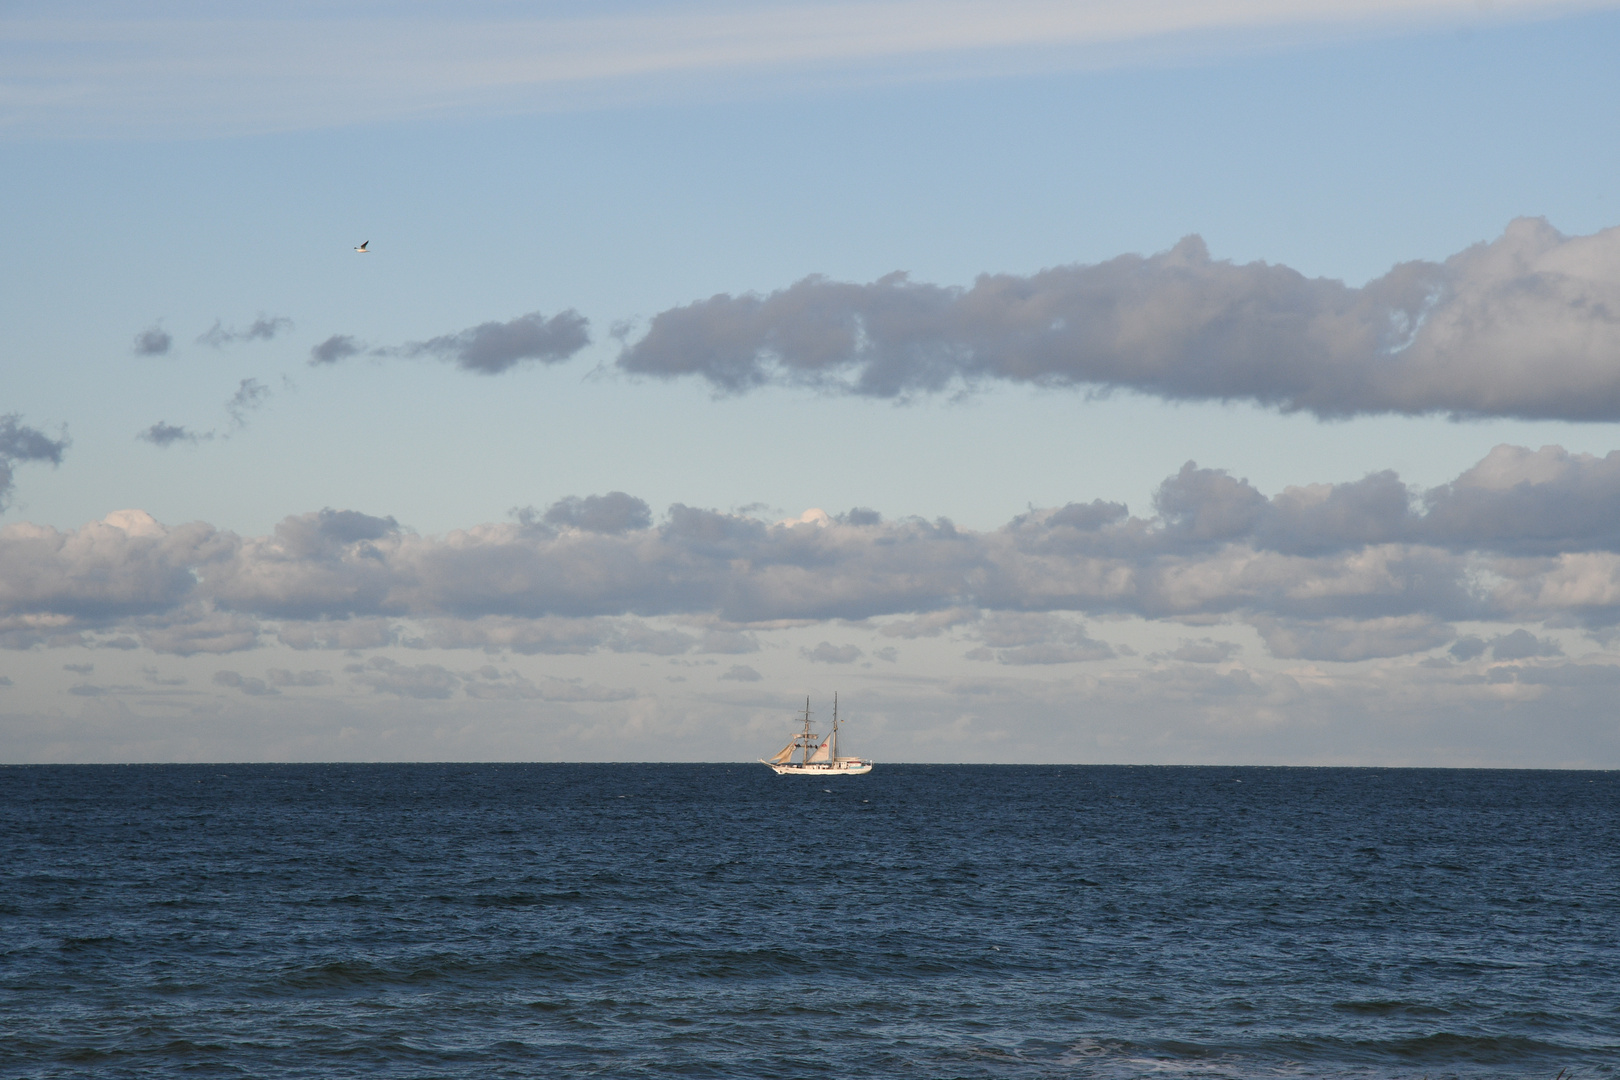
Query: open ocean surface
[(719, 921)]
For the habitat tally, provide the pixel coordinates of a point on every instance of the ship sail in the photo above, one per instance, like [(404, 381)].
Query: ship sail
[(820, 756)]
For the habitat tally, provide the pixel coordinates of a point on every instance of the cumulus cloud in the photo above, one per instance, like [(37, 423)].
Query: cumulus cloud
[(125, 565), (741, 673), (20, 443), (493, 347), (264, 328), (1344, 572), (1522, 326), (153, 341)]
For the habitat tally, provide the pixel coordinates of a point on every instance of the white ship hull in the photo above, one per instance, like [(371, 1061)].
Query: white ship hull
[(852, 768)]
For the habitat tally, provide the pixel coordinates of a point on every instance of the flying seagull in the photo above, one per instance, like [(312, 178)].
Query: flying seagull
[(362, 248)]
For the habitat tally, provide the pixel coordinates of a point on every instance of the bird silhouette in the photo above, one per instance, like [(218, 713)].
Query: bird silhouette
[(362, 248)]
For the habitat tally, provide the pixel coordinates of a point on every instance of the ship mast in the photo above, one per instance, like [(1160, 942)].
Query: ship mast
[(807, 730), (835, 730)]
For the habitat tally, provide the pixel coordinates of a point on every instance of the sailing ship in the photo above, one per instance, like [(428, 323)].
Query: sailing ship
[(817, 756)]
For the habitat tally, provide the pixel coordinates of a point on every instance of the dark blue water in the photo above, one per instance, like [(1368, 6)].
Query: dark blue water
[(720, 921)]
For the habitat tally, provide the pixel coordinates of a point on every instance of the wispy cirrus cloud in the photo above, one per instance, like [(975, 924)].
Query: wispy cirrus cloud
[(263, 328), (163, 68), (251, 395), (1521, 327)]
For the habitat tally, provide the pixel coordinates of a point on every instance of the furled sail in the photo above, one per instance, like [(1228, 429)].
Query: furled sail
[(785, 753), (823, 752)]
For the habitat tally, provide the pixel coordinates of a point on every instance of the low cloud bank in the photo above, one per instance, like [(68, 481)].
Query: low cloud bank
[(1526, 326), (1343, 572)]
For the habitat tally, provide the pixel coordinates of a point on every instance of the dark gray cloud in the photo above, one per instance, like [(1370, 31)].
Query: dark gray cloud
[(153, 341), (163, 433), (1524, 326), (335, 348), (493, 347), (1522, 645), (20, 443), (614, 512), (264, 328), (1341, 572)]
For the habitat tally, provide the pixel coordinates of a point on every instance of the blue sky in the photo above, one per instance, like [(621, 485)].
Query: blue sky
[(174, 168)]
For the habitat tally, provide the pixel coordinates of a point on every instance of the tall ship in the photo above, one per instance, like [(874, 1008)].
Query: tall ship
[(816, 756)]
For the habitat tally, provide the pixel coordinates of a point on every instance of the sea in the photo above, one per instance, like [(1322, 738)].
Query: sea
[(928, 921)]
